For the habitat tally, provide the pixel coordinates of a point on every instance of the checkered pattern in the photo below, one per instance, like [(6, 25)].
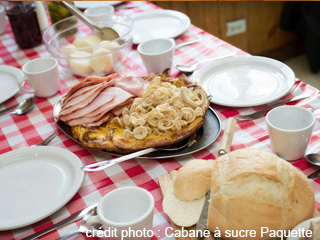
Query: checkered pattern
[(23, 131)]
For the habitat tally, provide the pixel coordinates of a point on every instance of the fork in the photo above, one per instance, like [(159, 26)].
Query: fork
[(259, 114), (46, 141)]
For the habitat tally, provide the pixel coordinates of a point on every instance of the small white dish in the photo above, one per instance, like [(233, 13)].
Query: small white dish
[(245, 81), (9, 78), (159, 24), (100, 14), (304, 225), (157, 54), (125, 209), (88, 4), (36, 182), (290, 129)]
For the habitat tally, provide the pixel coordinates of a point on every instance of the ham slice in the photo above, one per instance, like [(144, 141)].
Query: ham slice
[(102, 120), (134, 85), (78, 93), (85, 99), (99, 106), (89, 81), (118, 111), (91, 121)]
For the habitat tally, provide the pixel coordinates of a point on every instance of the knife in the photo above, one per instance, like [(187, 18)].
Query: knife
[(72, 218), (224, 149), (316, 174), (4, 111)]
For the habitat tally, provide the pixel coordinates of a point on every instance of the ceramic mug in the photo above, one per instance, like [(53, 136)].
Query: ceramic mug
[(100, 14), (290, 129), (157, 54), (129, 210), (42, 75)]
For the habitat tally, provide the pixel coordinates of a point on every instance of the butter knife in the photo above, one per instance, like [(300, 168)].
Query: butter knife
[(203, 220), (316, 174), (64, 222), (224, 149)]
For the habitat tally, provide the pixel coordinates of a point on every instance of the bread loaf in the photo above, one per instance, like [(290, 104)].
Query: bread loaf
[(252, 188), (193, 180)]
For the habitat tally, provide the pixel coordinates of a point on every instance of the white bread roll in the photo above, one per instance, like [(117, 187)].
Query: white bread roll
[(193, 180), (252, 188)]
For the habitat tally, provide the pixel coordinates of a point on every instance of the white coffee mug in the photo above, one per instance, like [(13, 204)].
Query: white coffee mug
[(100, 14), (42, 74), (290, 129), (129, 210), (157, 54)]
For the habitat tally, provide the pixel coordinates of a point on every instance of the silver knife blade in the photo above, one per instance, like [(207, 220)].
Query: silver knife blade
[(316, 174), (72, 218), (203, 220)]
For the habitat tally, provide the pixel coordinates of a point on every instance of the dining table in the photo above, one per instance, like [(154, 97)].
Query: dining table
[(23, 131)]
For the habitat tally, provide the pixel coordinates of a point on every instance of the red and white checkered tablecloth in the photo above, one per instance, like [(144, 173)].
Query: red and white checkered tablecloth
[(23, 131)]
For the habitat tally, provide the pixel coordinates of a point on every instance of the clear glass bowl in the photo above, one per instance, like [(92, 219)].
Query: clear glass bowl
[(60, 36)]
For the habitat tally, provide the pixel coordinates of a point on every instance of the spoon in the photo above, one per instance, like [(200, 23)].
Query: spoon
[(23, 107), (83, 227), (192, 68), (105, 33), (108, 163), (314, 159)]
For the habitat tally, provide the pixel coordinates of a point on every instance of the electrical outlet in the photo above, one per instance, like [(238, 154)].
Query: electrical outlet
[(236, 27)]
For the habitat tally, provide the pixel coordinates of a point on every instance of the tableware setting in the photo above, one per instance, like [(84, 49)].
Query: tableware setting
[(143, 153)]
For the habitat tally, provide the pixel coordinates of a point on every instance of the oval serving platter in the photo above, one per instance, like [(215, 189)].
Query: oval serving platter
[(211, 131)]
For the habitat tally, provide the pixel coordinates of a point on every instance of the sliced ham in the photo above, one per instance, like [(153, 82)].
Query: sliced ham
[(79, 92), (89, 81), (118, 111), (108, 116), (99, 105), (91, 121), (134, 85), (85, 99)]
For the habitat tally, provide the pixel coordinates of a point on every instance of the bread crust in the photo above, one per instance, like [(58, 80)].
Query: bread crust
[(253, 188), (193, 180)]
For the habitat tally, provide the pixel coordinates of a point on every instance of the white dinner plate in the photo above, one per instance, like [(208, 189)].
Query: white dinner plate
[(159, 24), (9, 77), (35, 182), (304, 225), (87, 4), (245, 81)]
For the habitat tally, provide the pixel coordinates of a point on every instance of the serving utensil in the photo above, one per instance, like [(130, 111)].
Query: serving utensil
[(83, 228), (259, 114), (191, 68), (19, 109), (314, 159), (64, 222), (46, 141), (188, 42), (224, 149), (105, 33), (108, 163)]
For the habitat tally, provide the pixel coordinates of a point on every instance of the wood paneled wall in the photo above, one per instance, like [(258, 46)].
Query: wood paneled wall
[(263, 32)]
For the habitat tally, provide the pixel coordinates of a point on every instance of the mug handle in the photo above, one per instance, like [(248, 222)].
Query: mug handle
[(91, 222), (21, 84)]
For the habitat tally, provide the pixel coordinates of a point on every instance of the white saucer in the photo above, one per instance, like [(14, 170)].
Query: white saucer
[(87, 4), (245, 81), (304, 225), (159, 24), (9, 77), (35, 182)]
